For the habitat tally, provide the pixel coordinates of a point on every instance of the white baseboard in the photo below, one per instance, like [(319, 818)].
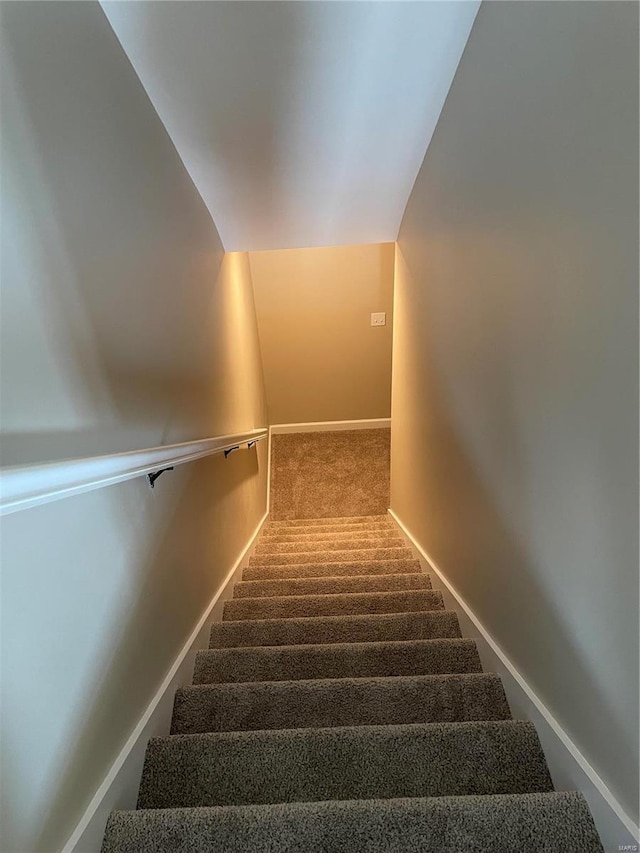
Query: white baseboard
[(569, 768), (119, 789), (330, 426), (269, 473)]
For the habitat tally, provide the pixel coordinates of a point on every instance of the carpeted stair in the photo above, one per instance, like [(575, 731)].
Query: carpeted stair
[(337, 710)]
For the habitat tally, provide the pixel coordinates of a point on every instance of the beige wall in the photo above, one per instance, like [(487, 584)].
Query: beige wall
[(515, 382), (323, 361), (123, 326)]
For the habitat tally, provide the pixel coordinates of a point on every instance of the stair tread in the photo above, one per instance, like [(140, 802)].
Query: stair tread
[(288, 606), (339, 529), (338, 520), (416, 625), (307, 546), (351, 762), (323, 535), (497, 823), (344, 556), (401, 565), (339, 702), (337, 660), (331, 584)]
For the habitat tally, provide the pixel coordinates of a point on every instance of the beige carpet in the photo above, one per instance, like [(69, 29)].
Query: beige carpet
[(337, 693), (330, 474), (341, 714)]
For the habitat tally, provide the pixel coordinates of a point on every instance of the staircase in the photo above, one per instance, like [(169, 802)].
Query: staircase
[(338, 708)]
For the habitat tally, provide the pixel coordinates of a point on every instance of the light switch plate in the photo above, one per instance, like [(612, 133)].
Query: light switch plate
[(379, 319)]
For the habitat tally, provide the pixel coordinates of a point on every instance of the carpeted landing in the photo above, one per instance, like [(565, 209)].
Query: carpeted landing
[(337, 710)]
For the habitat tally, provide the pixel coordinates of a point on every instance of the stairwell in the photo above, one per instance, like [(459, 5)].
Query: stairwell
[(338, 708)]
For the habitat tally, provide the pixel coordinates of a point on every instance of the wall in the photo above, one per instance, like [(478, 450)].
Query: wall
[(124, 325), (322, 359), (515, 382), (296, 119)]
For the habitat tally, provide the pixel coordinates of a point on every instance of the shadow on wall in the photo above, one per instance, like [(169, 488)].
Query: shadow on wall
[(113, 325), (124, 326), (135, 617), (488, 502)]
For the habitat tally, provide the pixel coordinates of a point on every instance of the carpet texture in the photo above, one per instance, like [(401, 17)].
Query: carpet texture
[(526, 823), (310, 544), (338, 709), (348, 567), (336, 660), (327, 474), (339, 702), (289, 765), (371, 552), (360, 522), (428, 625), (348, 603), (338, 534), (330, 585)]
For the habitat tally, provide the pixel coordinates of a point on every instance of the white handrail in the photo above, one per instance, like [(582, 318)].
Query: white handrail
[(25, 486)]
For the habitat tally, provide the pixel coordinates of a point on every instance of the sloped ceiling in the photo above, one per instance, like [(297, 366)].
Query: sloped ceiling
[(300, 123)]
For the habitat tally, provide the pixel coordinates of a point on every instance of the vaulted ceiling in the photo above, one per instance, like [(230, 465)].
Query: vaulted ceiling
[(300, 123)]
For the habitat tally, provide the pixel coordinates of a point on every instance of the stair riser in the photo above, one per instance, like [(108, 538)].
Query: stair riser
[(331, 585), (306, 765), (320, 534), (356, 555), (352, 544), (428, 625), (364, 541), (293, 606), (318, 570), (527, 823), (341, 521), (340, 702), (348, 660), (294, 533)]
